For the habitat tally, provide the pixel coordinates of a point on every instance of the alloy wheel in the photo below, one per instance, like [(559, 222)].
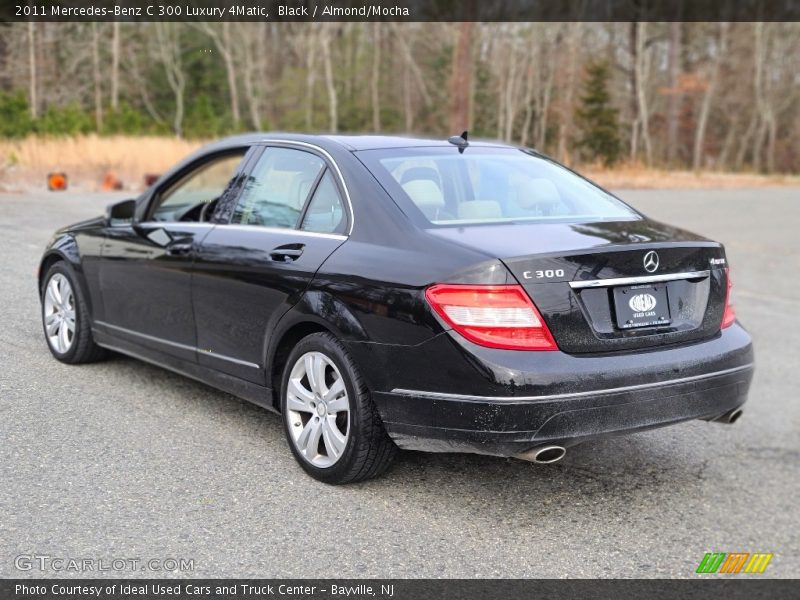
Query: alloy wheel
[(59, 313), (318, 409)]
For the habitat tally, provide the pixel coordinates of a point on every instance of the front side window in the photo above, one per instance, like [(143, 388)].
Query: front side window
[(489, 185), (193, 195), (277, 189)]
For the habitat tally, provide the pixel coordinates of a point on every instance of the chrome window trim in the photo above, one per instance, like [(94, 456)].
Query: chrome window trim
[(593, 283), (159, 340), (514, 399), (330, 159), (286, 230)]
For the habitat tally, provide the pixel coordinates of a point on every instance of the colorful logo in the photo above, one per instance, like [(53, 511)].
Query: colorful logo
[(734, 562)]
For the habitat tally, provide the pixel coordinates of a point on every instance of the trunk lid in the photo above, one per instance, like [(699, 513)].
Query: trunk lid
[(612, 286)]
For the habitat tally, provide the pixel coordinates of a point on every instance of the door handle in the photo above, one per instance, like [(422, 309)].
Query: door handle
[(180, 248), (287, 252)]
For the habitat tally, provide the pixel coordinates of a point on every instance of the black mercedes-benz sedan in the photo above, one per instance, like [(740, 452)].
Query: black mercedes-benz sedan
[(383, 292)]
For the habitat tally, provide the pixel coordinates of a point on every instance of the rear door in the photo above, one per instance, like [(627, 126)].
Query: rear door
[(290, 216)]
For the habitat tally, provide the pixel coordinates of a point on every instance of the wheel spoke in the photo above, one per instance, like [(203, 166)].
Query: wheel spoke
[(52, 292), (70, 325), (336, 389), (299, 398), (319, 374), (63, 290), (51, 323), (335, 441), (308, 441), (308, 365), (63, 337)]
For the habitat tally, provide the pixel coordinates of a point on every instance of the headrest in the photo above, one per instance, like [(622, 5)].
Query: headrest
[(528, 192), (419, 173), (424, 193)]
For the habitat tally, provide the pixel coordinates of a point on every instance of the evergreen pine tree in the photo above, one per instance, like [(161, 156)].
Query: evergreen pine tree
[(598, 120)]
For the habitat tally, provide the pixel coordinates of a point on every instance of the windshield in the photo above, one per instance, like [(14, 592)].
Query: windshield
[(489, 185)]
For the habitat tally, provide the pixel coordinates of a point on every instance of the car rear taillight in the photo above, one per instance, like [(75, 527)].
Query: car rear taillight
[(729, 316), (497, 316)]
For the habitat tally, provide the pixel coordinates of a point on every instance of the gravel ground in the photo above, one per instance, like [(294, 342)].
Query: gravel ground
[(124, 460)]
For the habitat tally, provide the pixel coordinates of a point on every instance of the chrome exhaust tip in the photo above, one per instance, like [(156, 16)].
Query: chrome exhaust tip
[(730, 417), (543, 455)]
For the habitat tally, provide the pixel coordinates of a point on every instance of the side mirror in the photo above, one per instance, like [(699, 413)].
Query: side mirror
[(121, 213)]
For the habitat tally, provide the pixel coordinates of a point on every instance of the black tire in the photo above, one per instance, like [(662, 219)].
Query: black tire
[(82, 348), (369, 450)]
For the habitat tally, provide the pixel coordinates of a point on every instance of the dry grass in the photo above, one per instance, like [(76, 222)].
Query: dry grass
[(639, 177), (25, 163), (87, 159)]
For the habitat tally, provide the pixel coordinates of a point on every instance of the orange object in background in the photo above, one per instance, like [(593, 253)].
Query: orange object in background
[(110, 182), (56, 182)]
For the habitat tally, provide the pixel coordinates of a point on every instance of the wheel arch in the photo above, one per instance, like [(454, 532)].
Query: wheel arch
[(282, 347), (65, 252)]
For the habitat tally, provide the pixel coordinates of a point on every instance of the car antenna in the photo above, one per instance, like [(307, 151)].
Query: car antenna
[(460, 141)]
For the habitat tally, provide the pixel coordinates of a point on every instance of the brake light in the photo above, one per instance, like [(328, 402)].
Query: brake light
[(496, 316), (729, 316)]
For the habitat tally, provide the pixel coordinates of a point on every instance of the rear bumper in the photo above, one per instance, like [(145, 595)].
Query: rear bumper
[(569, 399)]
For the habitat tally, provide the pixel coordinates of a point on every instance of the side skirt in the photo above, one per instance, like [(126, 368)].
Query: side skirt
[(246, 390)]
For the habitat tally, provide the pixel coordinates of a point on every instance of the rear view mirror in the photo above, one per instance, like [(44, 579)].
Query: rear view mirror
[(121, 213)]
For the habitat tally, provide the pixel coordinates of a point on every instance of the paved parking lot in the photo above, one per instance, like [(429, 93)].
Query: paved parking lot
[(124, 460)]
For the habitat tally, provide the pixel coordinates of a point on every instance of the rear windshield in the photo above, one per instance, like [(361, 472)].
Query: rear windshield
[(488, 185)]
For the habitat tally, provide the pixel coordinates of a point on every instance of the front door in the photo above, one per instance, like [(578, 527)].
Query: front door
[(145, 269), (288, 219)]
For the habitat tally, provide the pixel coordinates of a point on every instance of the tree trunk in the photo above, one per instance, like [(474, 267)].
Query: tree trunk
[(311, 76), (115, 67), (375, 81), (642, 69), (568, 102), (170, 53), (330, 83), (460, 81), (705, 108), (633, 44), (32, 99), (674, 105), (98, 90), (251, 70), (230, 68)]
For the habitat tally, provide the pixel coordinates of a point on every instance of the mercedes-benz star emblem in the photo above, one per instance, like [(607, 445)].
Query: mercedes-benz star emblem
[(651, 261)]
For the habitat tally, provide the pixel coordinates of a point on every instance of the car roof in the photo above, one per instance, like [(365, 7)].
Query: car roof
[(349, 142)]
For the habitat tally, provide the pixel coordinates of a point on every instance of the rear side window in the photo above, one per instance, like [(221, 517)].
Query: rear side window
[(277, 189), (325, 212), (489, 185)]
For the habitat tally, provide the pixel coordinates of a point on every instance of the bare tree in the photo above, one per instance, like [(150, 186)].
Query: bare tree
[(330, 84), (32, 99), (98, 89), (221, 36), (170, 54), (375, 80), (719, 50), (674, 91), (461, 79), (115, 66)]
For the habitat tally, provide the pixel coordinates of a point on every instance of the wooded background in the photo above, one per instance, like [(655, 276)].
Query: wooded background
[(720, 96)]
